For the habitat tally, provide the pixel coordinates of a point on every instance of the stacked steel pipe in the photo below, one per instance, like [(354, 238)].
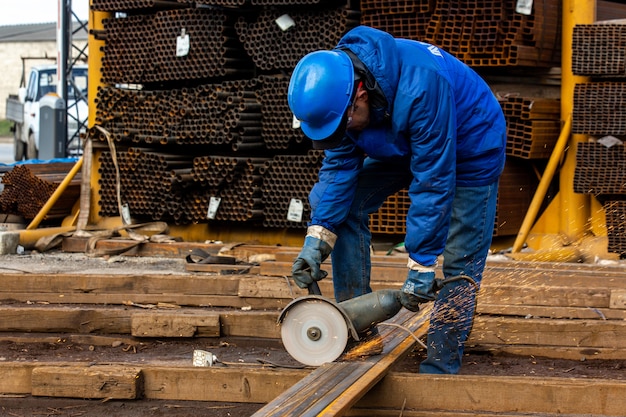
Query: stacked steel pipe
[(236, 182), (288, 179), (599, 111), (125, 5), (278, 131), (600, 108), (533, 126), (273, 48), (225, 115), (28, 187), (145, 48), (600, 169), (599, 50), (516, 190), (616, 226), (179, 188), (481, 33)]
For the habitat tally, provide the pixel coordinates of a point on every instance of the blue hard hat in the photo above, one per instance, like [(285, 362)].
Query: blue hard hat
[(319, 94)]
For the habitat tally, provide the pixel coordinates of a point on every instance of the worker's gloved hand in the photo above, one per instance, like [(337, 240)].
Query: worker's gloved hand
[(307, 267), (419, 286)]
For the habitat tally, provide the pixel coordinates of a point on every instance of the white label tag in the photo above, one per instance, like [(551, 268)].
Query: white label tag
[(524, 7), (295, 123), (214, 204), (126, 214), (285, 22), (609, 141), (296, 208), (182, 44)]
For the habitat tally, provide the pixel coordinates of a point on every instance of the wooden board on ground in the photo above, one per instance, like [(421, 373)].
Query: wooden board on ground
[(618, 299), (98, 381), (175, 324)]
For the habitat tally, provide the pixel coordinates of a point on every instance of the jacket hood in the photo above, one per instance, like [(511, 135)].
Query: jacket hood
[(379, 53)]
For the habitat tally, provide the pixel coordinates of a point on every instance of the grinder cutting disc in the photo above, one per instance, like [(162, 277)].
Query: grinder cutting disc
[(314, 331)]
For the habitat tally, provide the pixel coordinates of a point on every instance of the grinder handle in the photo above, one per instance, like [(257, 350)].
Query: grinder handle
[(314, 289)]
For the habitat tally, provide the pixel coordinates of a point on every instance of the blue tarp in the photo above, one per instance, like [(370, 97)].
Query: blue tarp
[(40, 161)]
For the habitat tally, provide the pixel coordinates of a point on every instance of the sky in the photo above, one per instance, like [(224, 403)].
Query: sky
[(17, 12)]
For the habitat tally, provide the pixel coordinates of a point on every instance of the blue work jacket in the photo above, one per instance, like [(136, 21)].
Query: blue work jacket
[(442, 117)]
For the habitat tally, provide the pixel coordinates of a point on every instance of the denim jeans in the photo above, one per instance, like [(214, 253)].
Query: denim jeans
[(467, 246)]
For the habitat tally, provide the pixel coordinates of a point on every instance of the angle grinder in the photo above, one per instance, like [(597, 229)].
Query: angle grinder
[(316, 330)]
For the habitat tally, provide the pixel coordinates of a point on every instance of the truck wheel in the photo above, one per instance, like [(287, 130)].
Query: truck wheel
[(31, 149), (18, 147)]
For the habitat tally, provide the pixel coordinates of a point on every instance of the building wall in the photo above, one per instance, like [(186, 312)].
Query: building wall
[(10, 56)]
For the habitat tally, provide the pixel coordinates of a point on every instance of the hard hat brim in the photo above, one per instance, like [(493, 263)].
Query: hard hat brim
[(334, 139)]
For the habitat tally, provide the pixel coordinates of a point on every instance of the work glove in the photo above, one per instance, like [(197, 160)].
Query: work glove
[(419, 286), (318, 244)]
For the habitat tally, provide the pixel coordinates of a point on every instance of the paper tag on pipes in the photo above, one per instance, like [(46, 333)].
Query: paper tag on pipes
[(214, 204), (296, 208), (295, 123), (524, 7), (126, 214), (285, 22), (182, 44)]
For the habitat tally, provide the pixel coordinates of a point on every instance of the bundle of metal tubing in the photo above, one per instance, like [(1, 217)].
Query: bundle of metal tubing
[(124, 5), (272, 48), (179, 188), (237, 182), (516, 190), (599, 108), (479, 32), (616, 226), (287, 178), (533, 125), (600, 170), (598, 50), (28, 187), (226, 115), (278, 131), (143, 48)]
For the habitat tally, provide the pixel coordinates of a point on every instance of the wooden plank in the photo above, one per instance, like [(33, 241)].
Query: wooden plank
[(400, 259), (168, 249), (175, 324), (47, 319), (118, 282), (618, 299), (16, 377), (550, 311), (274, 287), (178, 299), (490, 394), (573, 353), (222, 269), (334, 387), (549, 296), (116, 320), (98, 381), (231, 384), (557, 274), (549, 332), (387, 272)]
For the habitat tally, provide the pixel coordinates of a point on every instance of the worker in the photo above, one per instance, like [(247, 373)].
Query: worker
[(392, 114)]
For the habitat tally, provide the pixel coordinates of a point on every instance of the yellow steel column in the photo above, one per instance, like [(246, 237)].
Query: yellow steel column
[(95, 82), (575, 208)]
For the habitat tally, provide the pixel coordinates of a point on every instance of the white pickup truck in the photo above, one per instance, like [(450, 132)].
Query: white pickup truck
[(23, 109)]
